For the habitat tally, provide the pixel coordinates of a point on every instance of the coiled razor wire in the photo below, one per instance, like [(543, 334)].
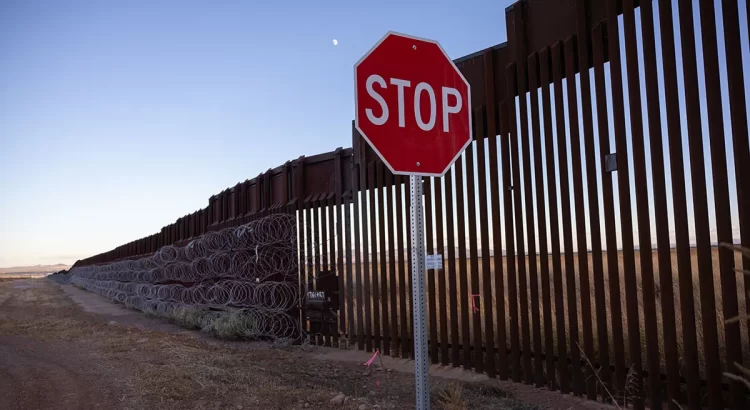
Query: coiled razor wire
[(239, 282), (270, 296)]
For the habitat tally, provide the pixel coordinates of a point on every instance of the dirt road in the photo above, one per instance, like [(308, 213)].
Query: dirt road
[(46, 376), (39, 373), (64, 349)]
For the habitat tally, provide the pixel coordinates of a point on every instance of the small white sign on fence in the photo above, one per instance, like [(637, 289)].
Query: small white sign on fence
[(433, 261)]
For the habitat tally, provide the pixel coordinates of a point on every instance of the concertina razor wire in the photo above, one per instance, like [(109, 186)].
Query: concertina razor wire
[(240, 281)]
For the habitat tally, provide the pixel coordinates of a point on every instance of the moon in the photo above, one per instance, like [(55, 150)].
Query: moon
[(335, 42)]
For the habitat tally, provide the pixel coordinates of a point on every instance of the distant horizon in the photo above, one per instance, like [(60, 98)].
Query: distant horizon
[(34, 268)]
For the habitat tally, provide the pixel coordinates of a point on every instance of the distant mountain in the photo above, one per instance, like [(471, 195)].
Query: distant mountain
[(34, 269)]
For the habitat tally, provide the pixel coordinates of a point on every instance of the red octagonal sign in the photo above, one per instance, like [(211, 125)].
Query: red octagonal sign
[(412, 105)]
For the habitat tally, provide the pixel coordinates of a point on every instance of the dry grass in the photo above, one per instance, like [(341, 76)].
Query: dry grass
[(169, 370), (599, 381), (743, 373), (188, 370), (452, 398), (743, 376)]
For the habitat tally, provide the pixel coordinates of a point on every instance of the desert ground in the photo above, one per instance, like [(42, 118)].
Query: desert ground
[(62, 347)]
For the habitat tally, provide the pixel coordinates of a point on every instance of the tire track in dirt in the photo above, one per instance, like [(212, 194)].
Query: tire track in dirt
[(40, 375)]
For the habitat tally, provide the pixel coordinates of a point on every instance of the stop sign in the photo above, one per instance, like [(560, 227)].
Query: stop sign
[(412, 105)]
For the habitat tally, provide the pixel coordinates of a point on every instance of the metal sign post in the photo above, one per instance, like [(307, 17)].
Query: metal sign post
[(419, 312)]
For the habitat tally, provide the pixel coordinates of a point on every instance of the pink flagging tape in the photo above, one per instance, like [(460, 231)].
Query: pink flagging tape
[(372, 359), (473, 304)]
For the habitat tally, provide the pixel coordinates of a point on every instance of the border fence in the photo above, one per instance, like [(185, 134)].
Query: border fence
[(579, 230)]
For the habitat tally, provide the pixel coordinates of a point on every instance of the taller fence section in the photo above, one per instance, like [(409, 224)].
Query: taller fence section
[(580, 230)]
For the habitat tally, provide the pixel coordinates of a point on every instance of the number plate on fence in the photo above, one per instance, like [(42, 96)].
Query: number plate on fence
[(316, 295)]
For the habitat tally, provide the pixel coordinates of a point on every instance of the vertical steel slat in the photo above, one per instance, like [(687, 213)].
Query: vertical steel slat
[(549, 354), (324, 240), (303, 222), (492, 134), (323, 245), (392, 285), (641, 201), (508, 116), (679, 201), (334, 216), (356, 167), (615, 307), (332, 239), (671, 354), (528, 211), (473, 254), (365, 178), (554, 227), (623, 184), (593, 194), (578, 212), (558, 62), (441, 292), (452, 288), (700, 209), (530, 236), (345, 276), (462, 274), (519, 39), (350, 329), (375, 278), (519, 211), (429, 248), (738, 114), (402, 268), (317, 240), (324, 249), (383, 259), (484, 225), (721, 197)]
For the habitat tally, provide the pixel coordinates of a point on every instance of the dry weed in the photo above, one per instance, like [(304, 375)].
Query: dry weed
[(452, 398), (744, 377), (631, 386), (736, 378), (598, 378)]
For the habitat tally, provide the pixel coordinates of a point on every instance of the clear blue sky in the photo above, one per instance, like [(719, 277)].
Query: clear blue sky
[(117, 117)]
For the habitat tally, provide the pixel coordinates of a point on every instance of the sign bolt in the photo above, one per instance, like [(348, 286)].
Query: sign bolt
[(414, 47), (417, 163)]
